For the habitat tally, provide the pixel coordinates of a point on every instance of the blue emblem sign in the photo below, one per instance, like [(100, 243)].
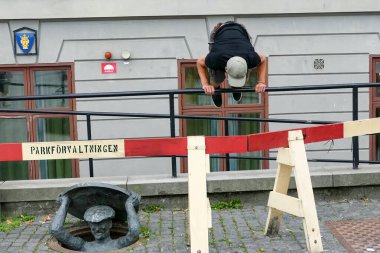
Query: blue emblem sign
[(25, 41)]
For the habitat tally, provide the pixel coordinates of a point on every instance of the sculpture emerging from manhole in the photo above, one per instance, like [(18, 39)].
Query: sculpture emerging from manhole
[(98, 204)]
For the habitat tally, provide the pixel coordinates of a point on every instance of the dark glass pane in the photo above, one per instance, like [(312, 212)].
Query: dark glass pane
[(377, 78), (202, 127), (207, 128), (11, 84), (54, 129), (13, 130), (193, 81), (51, 82), (244, 128), (248, 97)]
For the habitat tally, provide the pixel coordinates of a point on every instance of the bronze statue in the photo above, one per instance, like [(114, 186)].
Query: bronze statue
[(99, 217)]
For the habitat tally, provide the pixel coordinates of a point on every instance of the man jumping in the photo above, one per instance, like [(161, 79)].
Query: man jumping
[(230, 52)]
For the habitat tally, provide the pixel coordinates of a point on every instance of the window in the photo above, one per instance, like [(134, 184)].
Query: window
[(252, 105), (375, 106), (21, 127)]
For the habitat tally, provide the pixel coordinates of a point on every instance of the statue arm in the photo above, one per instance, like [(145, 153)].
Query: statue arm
[(59, 232), (133, 221)]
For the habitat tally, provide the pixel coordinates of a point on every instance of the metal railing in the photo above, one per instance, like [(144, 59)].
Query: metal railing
[(172, 116)]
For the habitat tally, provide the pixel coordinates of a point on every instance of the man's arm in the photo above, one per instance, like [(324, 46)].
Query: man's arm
[(133, 221), (261, 74), (203, 74), (57, 230)]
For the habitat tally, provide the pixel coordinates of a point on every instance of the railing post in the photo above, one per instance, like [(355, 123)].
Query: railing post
[(90, 160), (172, 131), (226, 133), (355, 140)]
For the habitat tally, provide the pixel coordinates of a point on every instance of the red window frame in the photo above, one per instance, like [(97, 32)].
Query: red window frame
[(374, 102), (31, 119), (226, 109)]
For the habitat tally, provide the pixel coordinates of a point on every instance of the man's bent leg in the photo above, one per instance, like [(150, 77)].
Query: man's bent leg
[(216, 79)]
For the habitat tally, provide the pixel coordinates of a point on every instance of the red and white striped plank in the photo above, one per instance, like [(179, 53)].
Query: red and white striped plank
[(156, 146), (11, 152), (361, 127), (279, 139), (263, 141), (178, 146)]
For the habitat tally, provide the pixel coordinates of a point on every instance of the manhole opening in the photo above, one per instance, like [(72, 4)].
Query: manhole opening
[(84, 232)]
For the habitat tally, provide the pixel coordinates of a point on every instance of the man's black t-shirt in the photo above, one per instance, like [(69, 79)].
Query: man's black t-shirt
[(231, 40)]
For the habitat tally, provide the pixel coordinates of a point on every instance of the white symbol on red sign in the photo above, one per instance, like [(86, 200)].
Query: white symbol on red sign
[(108, 68)]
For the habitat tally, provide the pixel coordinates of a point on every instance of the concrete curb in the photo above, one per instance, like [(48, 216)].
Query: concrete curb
[(254, 181), (217, 182), (40, 195)]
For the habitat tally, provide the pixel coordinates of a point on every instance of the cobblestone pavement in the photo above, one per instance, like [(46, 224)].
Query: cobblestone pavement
[(234, 230)]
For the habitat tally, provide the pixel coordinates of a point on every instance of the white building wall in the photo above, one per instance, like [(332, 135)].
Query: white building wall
[(291, 33)]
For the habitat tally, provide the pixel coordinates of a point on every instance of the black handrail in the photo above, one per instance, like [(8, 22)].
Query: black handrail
[(354, 86), (188, 91), (355, 139), (151, 115), (172, 131), (89, 137)]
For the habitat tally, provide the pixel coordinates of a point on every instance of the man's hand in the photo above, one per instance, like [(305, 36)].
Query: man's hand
[(64, 200), (261, 73), (209, 89), (260, 87), (203, 74), (133, 199)]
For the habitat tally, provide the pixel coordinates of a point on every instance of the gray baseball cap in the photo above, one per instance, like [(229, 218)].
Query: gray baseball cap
[(236, 71), (98, 213)]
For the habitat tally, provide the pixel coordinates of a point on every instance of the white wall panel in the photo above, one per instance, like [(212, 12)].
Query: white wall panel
[(174, 47), (315, 103), (124, 85), (188, 30), (310, 25), (154, 68), (342, 155), (330, 116), (126, 128), (304, 64), (338, 145), (318, 79), (143, 105), (319, 44), (6, 45)]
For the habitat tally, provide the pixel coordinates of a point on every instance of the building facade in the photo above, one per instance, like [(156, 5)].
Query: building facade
[(154, 46)]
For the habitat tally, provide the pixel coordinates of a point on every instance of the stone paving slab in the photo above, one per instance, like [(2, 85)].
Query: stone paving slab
[(234, 230)]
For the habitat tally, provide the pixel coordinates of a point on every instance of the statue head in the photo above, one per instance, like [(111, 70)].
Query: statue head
[(99, 219)]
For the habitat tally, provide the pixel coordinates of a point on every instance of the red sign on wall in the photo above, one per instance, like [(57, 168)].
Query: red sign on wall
[(108, 67)]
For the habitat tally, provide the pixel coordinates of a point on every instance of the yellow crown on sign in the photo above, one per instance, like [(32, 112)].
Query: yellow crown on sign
[(25, 41)]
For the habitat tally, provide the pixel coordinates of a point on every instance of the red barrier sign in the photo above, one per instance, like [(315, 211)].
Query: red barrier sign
[(178, 146), (108, 67)]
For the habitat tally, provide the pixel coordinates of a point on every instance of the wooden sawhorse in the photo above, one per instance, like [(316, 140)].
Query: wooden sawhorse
[(288, 159)]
